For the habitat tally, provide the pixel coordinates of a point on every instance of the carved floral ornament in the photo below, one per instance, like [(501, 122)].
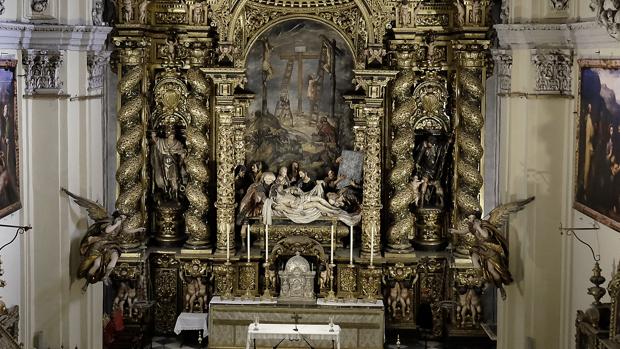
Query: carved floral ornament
[(42, 71), (559, 4), (553, 70)]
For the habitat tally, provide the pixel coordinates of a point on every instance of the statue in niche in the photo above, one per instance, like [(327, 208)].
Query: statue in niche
[(97, 13), (144, 11), (476, 12), (429, 159), (198, 14), (127, 10), (168, 163)]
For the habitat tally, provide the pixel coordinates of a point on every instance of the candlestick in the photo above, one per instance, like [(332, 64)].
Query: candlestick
[(248, 243), (332, 245), (267, 243), (372, 242), (227, 242), (351, 247)]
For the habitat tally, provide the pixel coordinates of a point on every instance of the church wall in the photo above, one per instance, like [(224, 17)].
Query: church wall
[(60, 143), (537, 158)]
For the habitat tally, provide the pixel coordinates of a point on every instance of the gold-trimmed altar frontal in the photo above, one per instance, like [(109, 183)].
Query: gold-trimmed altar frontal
[(362, 327)]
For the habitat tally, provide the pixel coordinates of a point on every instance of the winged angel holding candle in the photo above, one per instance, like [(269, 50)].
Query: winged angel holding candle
[(489, 248), (100, 248)]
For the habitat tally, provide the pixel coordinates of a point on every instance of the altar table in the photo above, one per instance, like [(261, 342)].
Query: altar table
[(362, 324), (290, 332), (193, 322)]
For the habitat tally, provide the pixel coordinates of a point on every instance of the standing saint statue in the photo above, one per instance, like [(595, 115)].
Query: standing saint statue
[(167, 159)]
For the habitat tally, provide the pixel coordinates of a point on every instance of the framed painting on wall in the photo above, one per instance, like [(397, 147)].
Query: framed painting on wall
[(9, 152), (597, 172)]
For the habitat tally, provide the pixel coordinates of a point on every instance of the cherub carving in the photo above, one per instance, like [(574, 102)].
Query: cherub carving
[(144, 5), (469, 303), (99, 248), (489, 251), (125, 295)]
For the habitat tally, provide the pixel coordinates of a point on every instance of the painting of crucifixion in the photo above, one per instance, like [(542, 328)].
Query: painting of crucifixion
[(300, 71)]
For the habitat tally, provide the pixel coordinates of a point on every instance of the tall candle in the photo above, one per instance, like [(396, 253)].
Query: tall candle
[(266, 243), (351, 247), (248, 243), (372, 243), (227, 242), (332, 245)]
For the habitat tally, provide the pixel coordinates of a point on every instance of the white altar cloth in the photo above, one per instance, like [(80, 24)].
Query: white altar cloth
[(192, 322), (277, 332)]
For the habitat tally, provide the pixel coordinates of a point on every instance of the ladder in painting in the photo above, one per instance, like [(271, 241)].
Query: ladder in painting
[(283, 108)]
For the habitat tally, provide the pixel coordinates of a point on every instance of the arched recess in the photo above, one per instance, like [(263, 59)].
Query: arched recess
[(253, 39), (351, 18)]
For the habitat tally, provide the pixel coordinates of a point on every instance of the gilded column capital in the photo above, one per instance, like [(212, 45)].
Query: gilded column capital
[(373, 83), (553, 70), (226, 80), (131, 50), (474, 53)]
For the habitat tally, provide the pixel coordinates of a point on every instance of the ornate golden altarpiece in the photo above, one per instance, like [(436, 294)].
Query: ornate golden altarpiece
[(419, 71)]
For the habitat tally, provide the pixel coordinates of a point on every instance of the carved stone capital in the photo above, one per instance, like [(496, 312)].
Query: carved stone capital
[(95, 63), (42, 70), (553, 70), (503, 62), (559, 5)]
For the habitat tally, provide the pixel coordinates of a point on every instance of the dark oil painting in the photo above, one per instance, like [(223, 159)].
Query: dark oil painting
[(299, 70), (9, 162), (597, 185)]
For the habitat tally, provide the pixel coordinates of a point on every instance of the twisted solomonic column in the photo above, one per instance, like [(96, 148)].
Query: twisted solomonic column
[(402, 219), (131, 149), (470, 151), (197, 141)]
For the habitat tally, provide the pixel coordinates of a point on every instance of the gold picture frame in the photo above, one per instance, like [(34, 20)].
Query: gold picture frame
[(9, 145), (597, 153)]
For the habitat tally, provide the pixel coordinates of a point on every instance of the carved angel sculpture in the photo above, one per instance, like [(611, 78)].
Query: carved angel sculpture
[(489, 251), (99, 248)]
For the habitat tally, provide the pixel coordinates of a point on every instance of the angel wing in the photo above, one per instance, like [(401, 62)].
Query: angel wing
[(499, 215), (96, 212)]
